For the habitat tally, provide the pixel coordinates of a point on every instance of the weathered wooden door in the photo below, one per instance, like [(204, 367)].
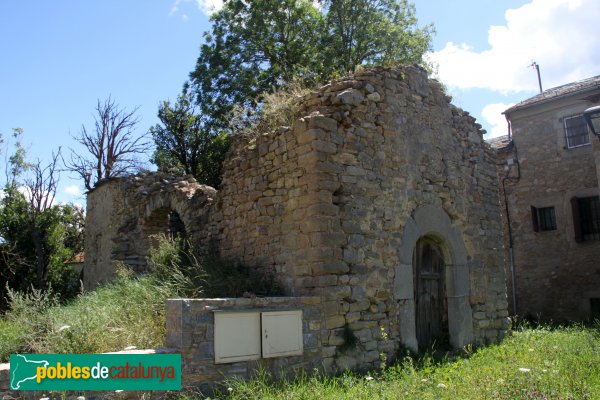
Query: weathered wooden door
[(430, 295)]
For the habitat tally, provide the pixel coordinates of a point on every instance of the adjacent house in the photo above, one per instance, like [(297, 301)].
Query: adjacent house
[(549, 167)]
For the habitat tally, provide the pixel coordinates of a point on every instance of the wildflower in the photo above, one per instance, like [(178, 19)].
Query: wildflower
[(230, 389), (369, 378), (441, 385), (525, 369)]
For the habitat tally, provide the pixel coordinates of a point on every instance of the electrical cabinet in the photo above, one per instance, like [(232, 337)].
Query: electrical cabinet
[(248, 335), (281, 333), (237, 336)]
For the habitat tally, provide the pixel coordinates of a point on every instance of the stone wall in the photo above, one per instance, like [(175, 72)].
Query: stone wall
[(555, 276), (123, 213), (190, 329), (326, 203)]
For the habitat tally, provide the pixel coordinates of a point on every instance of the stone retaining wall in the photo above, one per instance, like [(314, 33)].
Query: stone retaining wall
[(190, 329)]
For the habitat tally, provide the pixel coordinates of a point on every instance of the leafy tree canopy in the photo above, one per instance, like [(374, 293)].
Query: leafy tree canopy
[(184, 145), (257, 46)]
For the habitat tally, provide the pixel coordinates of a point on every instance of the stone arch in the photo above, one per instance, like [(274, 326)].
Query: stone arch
[(433, 222), (146, 204), (166, 212)]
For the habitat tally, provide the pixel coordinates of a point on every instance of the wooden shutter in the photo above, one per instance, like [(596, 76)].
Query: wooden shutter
[(576, 220), (534, 219)]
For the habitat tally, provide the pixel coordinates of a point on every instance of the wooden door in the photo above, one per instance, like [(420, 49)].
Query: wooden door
[(430, 294)]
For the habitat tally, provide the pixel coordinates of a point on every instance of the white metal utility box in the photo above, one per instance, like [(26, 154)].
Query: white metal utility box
[(248, 335)]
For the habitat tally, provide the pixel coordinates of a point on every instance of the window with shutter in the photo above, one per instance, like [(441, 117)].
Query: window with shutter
[(586, 218), (543, 219), (576, 131)]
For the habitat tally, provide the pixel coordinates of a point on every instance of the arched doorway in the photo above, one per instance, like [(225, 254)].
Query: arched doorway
[(430, 243), (431, 305)]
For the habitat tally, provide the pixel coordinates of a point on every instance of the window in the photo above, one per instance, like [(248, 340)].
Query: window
[(586, 218), (543, 219), (576, 131)]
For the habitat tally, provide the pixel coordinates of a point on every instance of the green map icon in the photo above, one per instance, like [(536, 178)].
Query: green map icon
[(23, 369)]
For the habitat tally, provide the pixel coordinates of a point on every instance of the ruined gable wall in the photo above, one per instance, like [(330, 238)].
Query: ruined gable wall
[(123, 212), (326, 202)]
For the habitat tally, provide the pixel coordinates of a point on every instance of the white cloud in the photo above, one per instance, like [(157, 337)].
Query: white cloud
[(73, 190), (209, 6), (492, 114), (560, 35), (206, 6), (175, 7)]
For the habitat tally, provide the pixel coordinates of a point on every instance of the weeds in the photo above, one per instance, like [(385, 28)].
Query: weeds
[(534, 363), (275, 110), (129, 311)]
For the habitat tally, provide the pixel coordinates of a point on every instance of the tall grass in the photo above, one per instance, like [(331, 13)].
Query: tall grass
[(129, 311), (534, 363)]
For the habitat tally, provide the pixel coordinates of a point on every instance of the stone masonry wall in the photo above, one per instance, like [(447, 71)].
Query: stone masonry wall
[(325, 203), (190, 329)]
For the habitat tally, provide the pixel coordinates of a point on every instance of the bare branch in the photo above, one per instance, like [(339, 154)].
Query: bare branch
[(42, 186), (112, 146)]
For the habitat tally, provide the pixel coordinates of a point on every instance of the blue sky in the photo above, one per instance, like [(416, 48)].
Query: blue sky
[(58, 57)]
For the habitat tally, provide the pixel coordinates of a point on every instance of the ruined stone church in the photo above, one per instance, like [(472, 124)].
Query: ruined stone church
[(380, 200)]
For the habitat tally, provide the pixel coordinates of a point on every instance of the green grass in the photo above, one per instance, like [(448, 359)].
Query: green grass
[(540, 363), (126, 312)]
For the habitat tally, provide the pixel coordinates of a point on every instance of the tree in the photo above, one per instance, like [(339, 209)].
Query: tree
[(36, 235), (374, 32), (112, 146), (253, 47), (184, 145), (41, 189), (258, 46)]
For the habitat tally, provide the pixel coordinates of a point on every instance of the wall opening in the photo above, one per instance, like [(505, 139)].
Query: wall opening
[(164, 220), (431, 301)]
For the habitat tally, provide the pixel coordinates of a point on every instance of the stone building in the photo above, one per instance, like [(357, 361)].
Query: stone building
[(380, 200), (549, 169)]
